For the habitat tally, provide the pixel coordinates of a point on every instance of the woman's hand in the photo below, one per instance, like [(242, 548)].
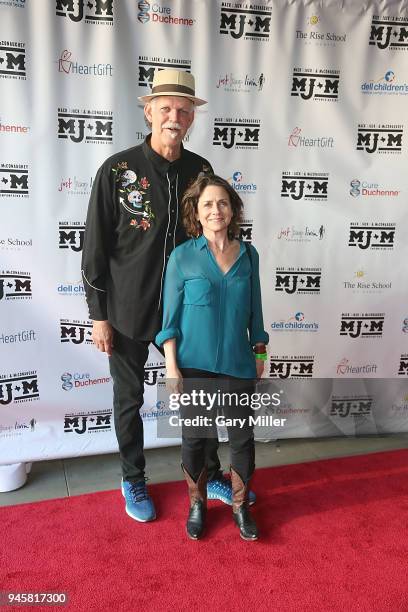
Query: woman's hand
[(174, 380), (260, 365)]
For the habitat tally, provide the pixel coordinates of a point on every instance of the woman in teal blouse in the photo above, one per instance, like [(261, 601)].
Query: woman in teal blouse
[(213, 328)]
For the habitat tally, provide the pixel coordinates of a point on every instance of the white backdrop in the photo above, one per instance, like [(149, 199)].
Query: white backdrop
[(307, 117)]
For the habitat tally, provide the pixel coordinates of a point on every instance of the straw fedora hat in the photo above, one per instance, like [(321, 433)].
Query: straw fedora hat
[(170, 82)]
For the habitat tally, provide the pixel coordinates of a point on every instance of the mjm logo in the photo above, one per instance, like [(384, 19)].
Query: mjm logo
[(253, 22), (379, 139), (291, 367), (245, 231), (71, 236), (88, 422), (153, 373), (362, 325), (21, 387), (315, 85), (354, 407), (308, 186), (93, 127), (14, 180), (372, 236), (15, 286), (301, 280), (241, 134), (77, 332), (97, 11), (148, 67), (12, 60), (389, 32), (403, 366)]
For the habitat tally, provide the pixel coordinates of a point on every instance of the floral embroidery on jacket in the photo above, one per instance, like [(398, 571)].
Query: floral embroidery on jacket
[(132, 193)]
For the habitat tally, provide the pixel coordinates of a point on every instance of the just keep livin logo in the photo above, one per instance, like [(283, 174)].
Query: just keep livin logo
[(132, 193)]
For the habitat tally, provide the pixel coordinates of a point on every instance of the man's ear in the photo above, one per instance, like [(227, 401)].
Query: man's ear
[(148, 111)]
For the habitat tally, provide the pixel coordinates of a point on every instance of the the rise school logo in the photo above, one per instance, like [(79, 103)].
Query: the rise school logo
[(246, 20), (14, 180), (362, 325), (389, 32), (96, 12), (15, 285), (90, 126), (308, 186), (19, 387), (375, 236), (380, 138), (315, 84), (303, 281), (12, 60), (237, 133), (314, 33), (149, 65), (71, 235), (291, 366)]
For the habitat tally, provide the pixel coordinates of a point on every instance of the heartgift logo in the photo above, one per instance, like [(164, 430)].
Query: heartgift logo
[(66, 65)]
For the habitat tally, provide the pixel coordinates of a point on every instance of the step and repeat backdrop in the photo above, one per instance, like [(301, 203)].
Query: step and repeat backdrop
[(307, 118)]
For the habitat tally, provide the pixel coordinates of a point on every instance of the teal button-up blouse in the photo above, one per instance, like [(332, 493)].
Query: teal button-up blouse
[(216, 318)]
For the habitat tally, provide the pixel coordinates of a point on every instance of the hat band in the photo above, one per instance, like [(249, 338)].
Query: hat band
[(175, 88)]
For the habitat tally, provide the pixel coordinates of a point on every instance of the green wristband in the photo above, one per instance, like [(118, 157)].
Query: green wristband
[(262, 356)]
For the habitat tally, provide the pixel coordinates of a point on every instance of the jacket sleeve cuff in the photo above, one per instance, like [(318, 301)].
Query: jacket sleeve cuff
[(166, 334)]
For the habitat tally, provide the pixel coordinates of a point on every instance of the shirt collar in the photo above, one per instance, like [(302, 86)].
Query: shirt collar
[(201, 242), (160, 163)]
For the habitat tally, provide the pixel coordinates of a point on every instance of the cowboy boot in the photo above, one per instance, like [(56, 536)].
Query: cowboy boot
[(198, 503), (240, 509)]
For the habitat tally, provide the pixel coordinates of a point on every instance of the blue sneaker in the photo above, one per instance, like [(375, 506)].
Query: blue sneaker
[(139, 504), (221, 489)]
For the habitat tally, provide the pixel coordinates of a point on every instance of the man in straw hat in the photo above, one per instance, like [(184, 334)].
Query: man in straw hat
[(133, 224)]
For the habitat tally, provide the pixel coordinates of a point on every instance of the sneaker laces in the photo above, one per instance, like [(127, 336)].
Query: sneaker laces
[(138, 491)]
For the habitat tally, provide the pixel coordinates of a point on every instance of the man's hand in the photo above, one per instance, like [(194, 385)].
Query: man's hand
[(260, 365), (102, 336)]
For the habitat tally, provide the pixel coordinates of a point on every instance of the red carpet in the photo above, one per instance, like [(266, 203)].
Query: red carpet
[(334, 537)]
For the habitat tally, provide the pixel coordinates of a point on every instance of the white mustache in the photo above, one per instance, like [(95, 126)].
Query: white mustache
[(173, 125)]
